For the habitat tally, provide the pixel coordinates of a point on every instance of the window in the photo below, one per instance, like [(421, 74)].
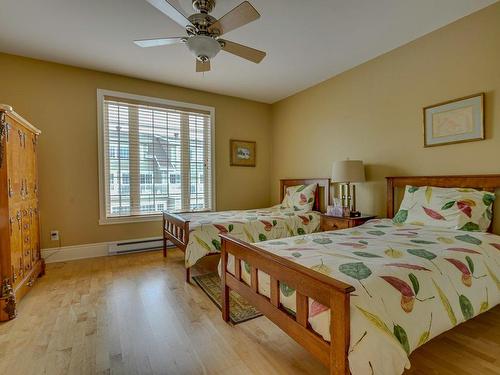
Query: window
[(175, 178), (112, 151), (124, 151), (146, 178), (125, 179), (154, 155)]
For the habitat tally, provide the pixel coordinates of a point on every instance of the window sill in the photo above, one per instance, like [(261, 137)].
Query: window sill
[(129, 219)]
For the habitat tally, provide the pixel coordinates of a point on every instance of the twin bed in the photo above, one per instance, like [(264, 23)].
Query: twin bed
[(197, 234), (360, 299)]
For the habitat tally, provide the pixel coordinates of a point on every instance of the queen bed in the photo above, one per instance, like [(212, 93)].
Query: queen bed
[(362, 299), (197, 234)]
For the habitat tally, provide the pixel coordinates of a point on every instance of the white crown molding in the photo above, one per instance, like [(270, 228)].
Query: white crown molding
[(16, 116)]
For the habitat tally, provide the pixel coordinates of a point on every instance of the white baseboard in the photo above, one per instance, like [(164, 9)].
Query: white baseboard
[(75, 252), (67, 253)]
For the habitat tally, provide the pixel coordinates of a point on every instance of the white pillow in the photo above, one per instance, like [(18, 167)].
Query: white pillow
[(452, 208), (300, 197)]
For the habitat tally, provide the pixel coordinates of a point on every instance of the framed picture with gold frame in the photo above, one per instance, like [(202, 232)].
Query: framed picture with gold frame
[(243, 153), (455, 121)]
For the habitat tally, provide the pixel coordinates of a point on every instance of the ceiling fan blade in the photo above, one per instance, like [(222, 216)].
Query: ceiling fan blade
[(158, 42), (245, 52), (239, 16), (202, 66), (165, 7)]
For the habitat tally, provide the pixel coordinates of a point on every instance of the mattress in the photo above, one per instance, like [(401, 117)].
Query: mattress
[(247, 225)]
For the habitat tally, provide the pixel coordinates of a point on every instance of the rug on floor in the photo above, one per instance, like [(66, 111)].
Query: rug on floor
[(240, 310)]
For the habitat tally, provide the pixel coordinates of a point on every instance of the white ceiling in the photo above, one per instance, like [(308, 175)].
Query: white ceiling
[(306, 41)]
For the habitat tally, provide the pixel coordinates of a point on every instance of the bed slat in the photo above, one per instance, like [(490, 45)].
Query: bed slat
[(275, 292), (254, 279), (224, 287), (302, 309), (237, 268), (340, 332)]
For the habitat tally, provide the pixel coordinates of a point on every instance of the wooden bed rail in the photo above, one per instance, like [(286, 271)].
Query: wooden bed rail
[(307, 283)]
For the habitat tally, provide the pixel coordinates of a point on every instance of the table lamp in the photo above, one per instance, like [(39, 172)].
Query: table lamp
[(347, 172)]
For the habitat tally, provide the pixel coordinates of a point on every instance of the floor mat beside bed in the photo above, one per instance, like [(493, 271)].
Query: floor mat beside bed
[(241, 310)]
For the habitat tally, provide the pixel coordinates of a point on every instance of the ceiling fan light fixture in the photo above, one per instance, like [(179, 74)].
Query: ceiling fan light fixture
[(203, 47)]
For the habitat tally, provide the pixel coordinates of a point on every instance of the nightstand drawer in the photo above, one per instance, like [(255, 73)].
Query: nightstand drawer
[(333, 224)]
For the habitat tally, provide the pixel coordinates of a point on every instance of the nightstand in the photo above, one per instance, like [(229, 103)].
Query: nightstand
[(329, 222)]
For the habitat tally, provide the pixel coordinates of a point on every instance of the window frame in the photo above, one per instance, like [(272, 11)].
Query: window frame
[(101, 93)]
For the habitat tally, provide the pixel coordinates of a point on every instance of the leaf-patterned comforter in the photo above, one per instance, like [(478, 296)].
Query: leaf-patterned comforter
[(412, 283), (248, 225)]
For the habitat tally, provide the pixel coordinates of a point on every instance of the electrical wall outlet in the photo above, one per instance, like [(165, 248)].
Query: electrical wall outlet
[(54, 235)]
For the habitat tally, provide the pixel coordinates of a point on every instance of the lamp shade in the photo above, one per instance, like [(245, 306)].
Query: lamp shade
[(348, 171)]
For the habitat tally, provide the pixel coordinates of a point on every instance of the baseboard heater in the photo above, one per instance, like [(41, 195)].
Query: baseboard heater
[(136, 246)]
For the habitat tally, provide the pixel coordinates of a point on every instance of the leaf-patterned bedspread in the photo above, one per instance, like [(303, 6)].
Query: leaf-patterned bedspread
[(247, 225), (412, 283)]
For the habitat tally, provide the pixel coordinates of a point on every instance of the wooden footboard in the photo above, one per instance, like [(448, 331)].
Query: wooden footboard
[(176, 229), (307, 283)]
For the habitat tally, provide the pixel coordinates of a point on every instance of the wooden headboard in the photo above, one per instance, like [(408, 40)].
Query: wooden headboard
[(488, 182), (322, 198)]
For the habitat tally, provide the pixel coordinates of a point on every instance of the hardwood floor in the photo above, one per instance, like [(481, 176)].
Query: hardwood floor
[(133, 314)]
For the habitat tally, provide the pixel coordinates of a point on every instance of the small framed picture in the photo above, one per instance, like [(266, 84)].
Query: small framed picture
[(454, 121), (242, 153)]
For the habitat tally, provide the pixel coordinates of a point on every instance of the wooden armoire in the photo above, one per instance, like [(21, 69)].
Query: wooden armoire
[(20, 259)]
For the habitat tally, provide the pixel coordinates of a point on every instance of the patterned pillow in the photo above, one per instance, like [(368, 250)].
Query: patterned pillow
[(452, 208), (300, 197)]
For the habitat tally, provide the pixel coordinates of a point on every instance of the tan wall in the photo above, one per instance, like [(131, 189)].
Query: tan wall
[(61, 101), (374, 111)]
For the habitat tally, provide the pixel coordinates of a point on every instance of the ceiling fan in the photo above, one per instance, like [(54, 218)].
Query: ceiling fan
[(204, 31)]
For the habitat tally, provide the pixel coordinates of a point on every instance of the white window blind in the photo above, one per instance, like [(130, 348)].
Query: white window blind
[(156, 157)]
